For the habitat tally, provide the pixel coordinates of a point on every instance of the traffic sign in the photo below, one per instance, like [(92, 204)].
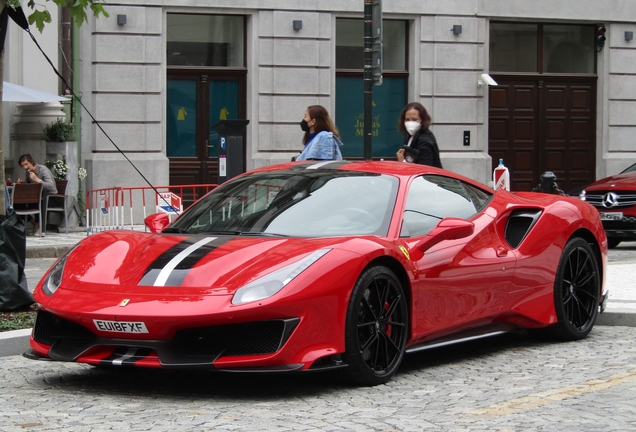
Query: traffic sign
[(170, 203)]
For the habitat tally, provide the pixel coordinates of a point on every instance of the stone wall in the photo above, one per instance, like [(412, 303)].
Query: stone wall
[(124, 84), (124, 76), (617, 91)]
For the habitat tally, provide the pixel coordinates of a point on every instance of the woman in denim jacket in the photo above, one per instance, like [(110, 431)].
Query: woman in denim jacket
[(321, 140)]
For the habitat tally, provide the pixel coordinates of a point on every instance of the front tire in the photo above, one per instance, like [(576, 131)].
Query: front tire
[(377, 327), (576, 292)]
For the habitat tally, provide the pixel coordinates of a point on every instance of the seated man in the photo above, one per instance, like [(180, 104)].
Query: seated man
[(38, 174)]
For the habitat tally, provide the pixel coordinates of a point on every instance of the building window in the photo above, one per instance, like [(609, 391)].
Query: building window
[(205, 40), (388, 98), (350, 44), (542, 48), (513, 47), (568, 49)]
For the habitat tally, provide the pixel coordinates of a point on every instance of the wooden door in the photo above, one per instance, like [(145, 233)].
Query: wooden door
[(196, 102), (539, 124)]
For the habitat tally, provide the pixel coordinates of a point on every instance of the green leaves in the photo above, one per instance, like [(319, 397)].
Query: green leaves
[(59, 131), (40, 15), (39, 18)]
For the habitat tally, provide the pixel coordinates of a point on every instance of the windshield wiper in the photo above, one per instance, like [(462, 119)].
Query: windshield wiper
[(227, 232), (262, 234), (175, 230)]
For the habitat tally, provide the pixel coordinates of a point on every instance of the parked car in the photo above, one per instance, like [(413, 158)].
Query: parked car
[(336, 265), (615, 199)]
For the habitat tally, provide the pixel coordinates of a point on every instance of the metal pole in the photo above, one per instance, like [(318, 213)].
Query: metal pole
[(368, 78), (3, 208)]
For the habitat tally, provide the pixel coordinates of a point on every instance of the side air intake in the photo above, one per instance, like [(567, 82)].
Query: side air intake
[(519, 224)]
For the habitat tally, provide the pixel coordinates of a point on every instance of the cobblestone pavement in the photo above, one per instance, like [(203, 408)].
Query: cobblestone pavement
[(507, 383)]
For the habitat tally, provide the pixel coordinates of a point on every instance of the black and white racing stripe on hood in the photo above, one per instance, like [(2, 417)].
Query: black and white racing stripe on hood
[(172, 266)]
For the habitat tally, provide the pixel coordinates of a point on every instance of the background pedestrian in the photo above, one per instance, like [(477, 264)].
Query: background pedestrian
[(321, 139), (420, 145), (38, 174)]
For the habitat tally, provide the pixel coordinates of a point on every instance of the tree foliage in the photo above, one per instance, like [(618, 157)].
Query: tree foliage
[(40, 15)]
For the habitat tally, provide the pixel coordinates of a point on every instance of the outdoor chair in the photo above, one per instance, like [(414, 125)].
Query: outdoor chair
[(28, 199), (58, 203)]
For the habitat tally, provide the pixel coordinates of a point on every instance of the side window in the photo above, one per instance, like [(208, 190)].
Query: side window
[(432, 198), (479, 197)]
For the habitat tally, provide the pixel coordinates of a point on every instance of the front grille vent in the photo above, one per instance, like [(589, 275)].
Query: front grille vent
[(50, 329), (611, 199), (255, 338)]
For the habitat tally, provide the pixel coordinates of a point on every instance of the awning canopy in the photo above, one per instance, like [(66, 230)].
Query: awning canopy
[(17, 93)]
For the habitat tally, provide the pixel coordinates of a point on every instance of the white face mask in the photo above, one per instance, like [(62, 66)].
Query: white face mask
[(412, 127)]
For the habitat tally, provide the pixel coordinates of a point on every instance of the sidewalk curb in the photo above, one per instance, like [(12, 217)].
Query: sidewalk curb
[(625, 319), (14, 342), (46, 251)]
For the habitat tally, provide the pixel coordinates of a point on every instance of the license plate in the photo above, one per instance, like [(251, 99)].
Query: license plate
[(121, 326), (611, 216)]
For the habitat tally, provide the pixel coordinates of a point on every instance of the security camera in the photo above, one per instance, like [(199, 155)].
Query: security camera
[(486, 80)]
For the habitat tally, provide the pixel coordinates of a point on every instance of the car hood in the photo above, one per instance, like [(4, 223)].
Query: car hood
[(618, 181), (146, 261)]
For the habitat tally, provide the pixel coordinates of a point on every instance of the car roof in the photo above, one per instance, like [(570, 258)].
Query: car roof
[(398, 169)]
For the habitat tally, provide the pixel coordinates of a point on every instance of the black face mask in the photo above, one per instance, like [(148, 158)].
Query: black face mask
[(304, 126)]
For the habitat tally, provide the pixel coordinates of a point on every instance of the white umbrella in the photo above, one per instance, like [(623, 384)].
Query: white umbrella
[(17, 93)]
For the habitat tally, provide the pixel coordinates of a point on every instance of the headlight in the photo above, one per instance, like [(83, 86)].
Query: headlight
[(270, 284), (582, 195), (54, 278)]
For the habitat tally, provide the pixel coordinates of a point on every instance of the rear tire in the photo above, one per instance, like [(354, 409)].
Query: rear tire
[(576, 292), (377, 327)]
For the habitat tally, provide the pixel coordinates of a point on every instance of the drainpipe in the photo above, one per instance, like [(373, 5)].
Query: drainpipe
[(70, 72), (76, 73), (66, 47)]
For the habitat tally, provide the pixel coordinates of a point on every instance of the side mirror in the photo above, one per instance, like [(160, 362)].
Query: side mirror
[(447, 229), (157, 222)]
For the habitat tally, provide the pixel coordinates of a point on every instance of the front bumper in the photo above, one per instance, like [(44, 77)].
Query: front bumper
[(603, 303), (624, 229), (197, 347)]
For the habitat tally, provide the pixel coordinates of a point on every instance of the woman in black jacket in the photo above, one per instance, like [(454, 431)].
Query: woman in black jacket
[(420, 145)]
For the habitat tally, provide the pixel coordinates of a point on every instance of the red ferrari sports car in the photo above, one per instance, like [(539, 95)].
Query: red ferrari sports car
[(325, 265)]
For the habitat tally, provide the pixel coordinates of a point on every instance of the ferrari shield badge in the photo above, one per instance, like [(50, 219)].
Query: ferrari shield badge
[(405, 252)]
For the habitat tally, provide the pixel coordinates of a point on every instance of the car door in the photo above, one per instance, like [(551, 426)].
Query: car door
[(458, 281)]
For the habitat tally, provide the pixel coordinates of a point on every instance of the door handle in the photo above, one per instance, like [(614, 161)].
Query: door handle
[(207, 144), (502, 252)]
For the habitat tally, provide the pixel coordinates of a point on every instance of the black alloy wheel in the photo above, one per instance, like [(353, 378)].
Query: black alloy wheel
[(376, 328), (576, 292)]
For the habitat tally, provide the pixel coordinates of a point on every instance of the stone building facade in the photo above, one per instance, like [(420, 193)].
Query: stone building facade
[(128, 76)]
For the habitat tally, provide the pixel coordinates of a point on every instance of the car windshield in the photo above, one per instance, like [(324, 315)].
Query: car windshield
[(629, 169), (295, 203)]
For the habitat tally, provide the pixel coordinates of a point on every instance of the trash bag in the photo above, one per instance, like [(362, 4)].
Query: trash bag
[(14, 292)]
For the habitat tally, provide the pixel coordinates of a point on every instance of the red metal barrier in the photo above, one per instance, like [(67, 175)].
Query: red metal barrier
[(126, 207)]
